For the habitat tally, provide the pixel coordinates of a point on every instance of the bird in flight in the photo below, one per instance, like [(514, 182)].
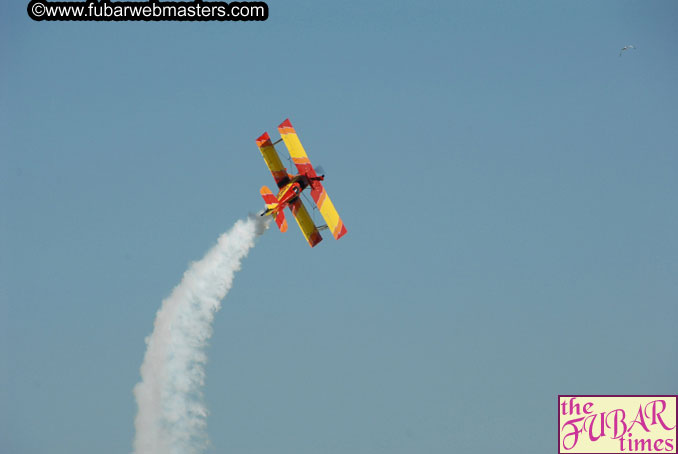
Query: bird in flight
[(630, 46)]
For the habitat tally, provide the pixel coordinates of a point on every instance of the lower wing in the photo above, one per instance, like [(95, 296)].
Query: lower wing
[(305, 222)]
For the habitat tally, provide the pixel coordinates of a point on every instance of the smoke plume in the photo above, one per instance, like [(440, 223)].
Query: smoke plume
[(172, 417)]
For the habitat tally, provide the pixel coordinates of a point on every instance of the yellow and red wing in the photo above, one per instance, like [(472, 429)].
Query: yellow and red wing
[(305, 222), (320, 197), (297, 152), (272, 160), (329, 213)]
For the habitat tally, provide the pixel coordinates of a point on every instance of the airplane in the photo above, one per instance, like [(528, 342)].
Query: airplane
[(630, 46), (291, 187)]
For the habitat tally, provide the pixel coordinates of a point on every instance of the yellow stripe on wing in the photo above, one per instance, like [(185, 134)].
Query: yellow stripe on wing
[(329, 213), (272, 159), (305, 222), (289, 136)]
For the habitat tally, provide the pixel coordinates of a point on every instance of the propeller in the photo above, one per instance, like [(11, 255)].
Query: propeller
[(319, 170)]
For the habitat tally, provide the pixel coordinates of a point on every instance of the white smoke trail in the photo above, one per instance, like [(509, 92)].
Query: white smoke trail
[(172, 416)]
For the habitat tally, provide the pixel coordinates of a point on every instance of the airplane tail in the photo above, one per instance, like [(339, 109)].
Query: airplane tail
[(272, 205)]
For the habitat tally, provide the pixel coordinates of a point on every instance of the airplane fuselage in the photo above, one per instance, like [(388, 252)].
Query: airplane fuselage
[(292, 190), (289, 192)]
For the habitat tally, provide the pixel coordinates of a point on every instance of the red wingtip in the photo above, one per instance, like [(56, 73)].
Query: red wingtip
[(315, 238), (263, 138), (341, 231), (286, 125)]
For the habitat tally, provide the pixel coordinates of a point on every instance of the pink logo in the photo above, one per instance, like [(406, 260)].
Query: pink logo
[(617, 424)]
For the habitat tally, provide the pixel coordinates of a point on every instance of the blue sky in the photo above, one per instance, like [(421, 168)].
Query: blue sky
[(508, 182)]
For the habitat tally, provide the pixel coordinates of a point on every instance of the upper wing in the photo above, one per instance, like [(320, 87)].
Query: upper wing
[(326, 207), (289, 136), (305, 222), (320, 197), (273, 160)]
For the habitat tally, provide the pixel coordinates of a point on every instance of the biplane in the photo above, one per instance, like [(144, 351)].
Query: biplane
[(291, 187)]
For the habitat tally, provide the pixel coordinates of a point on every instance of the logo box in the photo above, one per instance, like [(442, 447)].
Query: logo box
[(617, 424)]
